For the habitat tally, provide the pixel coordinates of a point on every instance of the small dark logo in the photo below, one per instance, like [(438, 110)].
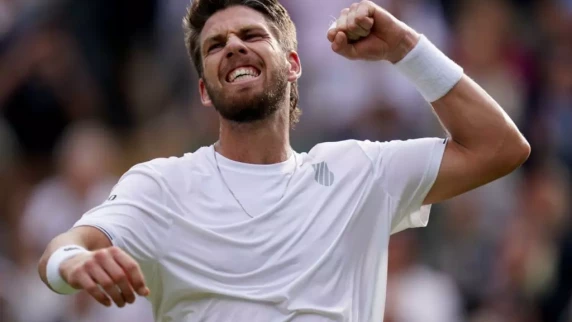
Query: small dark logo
[(67, 249), (112, 197)]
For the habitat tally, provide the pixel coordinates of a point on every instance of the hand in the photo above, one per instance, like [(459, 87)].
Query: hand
[(112, 269), (366, 31)]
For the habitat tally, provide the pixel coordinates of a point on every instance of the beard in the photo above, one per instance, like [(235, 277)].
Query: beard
[(251, 107)]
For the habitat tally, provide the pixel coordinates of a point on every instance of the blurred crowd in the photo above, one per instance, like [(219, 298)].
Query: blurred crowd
[(89, 88)]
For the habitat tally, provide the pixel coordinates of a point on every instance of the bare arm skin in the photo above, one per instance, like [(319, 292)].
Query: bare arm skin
[(117, 273), (484, 142)]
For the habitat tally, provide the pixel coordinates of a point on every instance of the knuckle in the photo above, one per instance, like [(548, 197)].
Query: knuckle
[(131, 267), (114, 250), (100, 255), (72, 279), (345, 11), (75, 274), (107, 284), (118, 278), (89, 264), (92, 289)]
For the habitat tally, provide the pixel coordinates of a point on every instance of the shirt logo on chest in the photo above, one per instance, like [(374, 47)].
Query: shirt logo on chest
[(322, 174)]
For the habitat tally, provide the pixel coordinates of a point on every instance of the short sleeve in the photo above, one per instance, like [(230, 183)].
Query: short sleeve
[(135, 217), (406, 171)]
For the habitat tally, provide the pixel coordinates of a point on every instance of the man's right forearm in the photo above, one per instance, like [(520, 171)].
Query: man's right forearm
[(88, 237)]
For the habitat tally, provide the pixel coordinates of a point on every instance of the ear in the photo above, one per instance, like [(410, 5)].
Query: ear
[(295, 70), (205, 98)]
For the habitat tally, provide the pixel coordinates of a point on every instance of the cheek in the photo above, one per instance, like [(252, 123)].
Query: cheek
[(275, 62), (210, 71)]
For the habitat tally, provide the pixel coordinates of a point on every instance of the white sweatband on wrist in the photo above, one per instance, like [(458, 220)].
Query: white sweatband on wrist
[(433, 73), (55, 280)]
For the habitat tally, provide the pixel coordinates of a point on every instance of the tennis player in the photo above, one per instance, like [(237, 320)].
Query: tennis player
[(248, 229)]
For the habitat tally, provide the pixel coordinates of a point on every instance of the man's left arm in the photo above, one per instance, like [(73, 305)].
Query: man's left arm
[(484, 143)]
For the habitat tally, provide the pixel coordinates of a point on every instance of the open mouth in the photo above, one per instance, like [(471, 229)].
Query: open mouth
[(242, 73)]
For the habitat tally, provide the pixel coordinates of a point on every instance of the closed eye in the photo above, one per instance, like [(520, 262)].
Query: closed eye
[(252, 37), (215, 46)]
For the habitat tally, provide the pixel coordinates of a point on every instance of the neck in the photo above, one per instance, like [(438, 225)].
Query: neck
[(260, 142)]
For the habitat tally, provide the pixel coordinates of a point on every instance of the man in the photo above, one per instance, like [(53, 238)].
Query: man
[(249, 230)]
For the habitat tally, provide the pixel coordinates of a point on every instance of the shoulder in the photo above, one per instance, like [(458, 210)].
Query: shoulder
[(175, 166), (352, 150), (377, 152), (336, 149), (168, 173)]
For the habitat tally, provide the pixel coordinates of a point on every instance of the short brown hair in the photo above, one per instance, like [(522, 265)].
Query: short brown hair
[(279, 20)]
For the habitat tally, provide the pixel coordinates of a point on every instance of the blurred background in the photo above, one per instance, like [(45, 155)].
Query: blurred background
[(89, 88)]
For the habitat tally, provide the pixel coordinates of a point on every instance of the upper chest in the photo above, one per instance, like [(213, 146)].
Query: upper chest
[(316, 217)]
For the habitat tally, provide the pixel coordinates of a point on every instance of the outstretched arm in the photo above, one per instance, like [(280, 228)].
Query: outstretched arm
[(88, 237), (484, 143), (102, 265)]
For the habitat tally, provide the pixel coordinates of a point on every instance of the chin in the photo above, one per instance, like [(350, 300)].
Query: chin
[(246, 110), (246, 95)]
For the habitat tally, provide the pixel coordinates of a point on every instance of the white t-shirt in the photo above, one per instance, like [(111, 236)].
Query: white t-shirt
[(316, 251)]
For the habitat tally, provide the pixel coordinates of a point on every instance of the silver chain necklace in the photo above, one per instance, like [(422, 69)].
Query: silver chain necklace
[(232, 193)]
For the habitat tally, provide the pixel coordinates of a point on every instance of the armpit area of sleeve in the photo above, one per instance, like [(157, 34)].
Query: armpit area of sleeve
[(104, 226), (137, 232), (417, 214)]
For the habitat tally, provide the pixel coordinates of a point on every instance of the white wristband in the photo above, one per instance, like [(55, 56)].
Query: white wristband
[(55, 280), (432, 72)]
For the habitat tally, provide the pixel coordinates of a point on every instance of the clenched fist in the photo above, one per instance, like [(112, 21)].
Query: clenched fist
[(366, 31), (111, 268)]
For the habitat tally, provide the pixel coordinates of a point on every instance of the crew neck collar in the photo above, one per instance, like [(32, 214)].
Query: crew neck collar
[(281, 167)]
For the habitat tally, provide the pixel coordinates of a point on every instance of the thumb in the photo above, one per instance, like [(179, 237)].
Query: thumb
[(341, 46), (332, 31)]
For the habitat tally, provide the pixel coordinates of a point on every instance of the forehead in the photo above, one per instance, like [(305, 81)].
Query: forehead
[(233, 19)]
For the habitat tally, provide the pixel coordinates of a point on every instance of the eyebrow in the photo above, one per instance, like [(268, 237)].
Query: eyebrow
[(242, 31)]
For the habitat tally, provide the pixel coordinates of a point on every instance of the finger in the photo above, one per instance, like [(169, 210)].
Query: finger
[(354, 28), (342, 47), (133, 271), (342, 24), (117, 275), (101, 277), (332, 32), (340, 42), (364, 15), (365, 23), (342, 20), (85, 282)]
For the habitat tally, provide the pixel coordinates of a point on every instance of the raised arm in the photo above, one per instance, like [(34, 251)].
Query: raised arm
[(484, 143)]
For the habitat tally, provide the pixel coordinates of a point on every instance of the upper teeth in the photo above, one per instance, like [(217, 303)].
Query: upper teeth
[(242, 71)]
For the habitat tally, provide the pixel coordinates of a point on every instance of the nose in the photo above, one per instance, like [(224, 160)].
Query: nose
[(235, 46)]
